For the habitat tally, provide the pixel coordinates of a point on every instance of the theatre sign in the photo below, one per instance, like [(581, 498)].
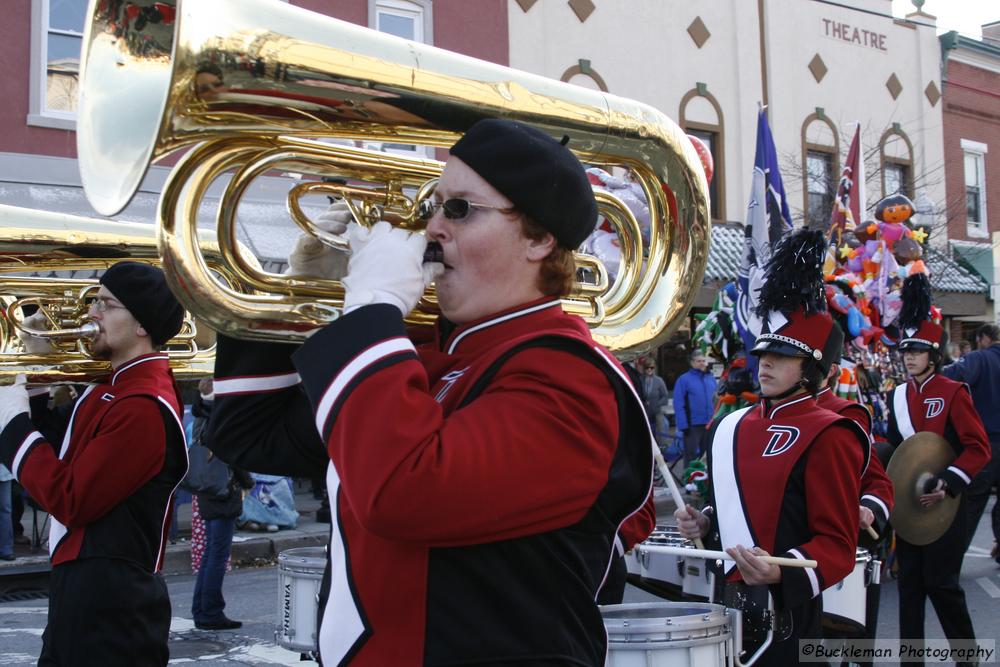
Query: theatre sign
[(846, 32)]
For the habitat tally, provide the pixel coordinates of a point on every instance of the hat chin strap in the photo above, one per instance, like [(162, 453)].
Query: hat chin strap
[(801, 384), (927, 367)]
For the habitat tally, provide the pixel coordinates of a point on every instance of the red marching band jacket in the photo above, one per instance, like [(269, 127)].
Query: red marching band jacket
[(876, 487), (483, 479), (786, 478), (108, 486), (941, 405)]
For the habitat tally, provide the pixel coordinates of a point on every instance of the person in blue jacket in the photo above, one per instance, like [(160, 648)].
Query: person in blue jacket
[(981, 371), (694, 401)]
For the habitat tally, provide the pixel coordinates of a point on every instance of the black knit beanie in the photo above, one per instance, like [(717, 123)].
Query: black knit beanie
[(539, 175), (143, 290)]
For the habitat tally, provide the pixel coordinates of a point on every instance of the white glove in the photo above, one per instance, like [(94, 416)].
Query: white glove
[(312, 257), (34, 344), (13, 401), (387, 266)]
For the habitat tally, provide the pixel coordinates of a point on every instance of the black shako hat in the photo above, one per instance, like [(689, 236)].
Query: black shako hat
[(143, 290), (542, 177)]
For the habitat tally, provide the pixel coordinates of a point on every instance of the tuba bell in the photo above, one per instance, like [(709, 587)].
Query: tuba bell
[(37, 251), (252, 87)]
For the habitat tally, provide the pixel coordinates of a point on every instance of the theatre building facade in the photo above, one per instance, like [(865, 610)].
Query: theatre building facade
[(819, 67)]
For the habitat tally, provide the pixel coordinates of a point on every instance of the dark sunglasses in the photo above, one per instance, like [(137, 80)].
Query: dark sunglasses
[(455, 208)]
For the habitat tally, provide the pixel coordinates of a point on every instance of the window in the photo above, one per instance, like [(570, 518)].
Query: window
[(57, 36), (897, 178), (820, 168), (711, 139), (701, 116), (896, 158), (975, 187), (820, 187), (409, 19)]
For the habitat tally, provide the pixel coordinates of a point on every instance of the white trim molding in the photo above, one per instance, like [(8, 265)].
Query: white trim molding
[(971, 146), (977, 150), (38, 114)]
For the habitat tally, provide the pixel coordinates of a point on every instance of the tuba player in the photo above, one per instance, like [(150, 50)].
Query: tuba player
[(477, 481), (109, 486)]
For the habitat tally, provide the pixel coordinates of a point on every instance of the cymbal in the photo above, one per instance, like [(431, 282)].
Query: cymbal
[(916, 460)]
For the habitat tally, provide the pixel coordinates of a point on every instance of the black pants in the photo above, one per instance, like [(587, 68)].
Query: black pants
[(932, 571), (105, 612), (693, 436), (978, 494)]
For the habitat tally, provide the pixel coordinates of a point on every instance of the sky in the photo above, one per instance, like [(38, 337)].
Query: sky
[(965, 16)]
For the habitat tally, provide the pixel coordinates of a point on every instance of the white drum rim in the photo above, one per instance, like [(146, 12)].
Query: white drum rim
[(651, 632)]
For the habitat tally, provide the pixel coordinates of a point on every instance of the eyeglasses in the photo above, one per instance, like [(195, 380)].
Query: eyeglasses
[(103, 304), (456, 209)]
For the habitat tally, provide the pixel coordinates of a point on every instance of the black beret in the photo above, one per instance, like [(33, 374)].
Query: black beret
[(143, 290), (542, 177)]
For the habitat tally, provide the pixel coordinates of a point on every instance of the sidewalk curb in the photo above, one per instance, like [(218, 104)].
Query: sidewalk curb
[(178, 556)]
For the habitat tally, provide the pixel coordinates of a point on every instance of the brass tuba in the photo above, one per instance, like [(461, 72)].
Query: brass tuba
[(37, 250), (257, 86)]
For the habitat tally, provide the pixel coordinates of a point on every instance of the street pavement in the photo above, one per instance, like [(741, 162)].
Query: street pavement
[(252, 597)]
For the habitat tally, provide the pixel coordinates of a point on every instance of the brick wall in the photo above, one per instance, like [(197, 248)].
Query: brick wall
[(971, 111), (475, 28)]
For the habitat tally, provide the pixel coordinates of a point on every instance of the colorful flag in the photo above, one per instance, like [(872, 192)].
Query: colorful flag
[(768, 219), (849, 203)]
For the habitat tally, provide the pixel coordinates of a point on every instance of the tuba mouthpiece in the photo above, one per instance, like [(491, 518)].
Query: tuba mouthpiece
[(433, 253)]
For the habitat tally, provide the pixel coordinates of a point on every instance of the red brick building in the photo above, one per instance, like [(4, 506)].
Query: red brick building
[(971, 116)]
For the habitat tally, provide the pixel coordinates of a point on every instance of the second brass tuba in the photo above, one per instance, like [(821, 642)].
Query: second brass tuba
[(258, 86), (48, 263)]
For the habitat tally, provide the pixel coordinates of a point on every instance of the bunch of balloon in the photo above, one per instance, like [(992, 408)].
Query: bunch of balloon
[(865, 273)]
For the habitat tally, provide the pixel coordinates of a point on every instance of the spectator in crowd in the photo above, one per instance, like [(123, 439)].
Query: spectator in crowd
[(694, 402), (219, 514), (654, 392), (270, 505), (17, 512), (981, 371), (6, 522), (964, 348)]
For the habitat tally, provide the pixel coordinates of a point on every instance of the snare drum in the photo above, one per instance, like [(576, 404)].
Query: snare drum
[(674, 634), (660, 567), (699, 580), (300, 574), (844, 603)]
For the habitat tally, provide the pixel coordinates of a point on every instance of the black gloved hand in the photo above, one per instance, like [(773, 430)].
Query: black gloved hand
[(932, 484)]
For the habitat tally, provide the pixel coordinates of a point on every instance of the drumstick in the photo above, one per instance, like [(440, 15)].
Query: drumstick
[(722, 555), (872, 533), (674, 491)]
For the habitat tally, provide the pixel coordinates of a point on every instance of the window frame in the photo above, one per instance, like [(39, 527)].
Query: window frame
[(421, 9), (38, 114), (907, 169), (978, 150), (833, 175), (719, 154), (832, 151), (906, 163)]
